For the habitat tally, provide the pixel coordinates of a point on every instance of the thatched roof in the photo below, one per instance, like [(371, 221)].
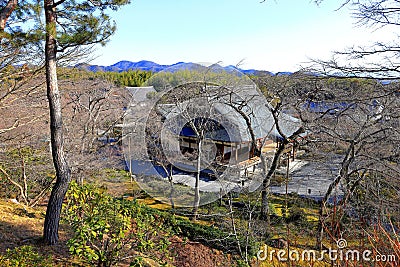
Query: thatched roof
[(231, 117)]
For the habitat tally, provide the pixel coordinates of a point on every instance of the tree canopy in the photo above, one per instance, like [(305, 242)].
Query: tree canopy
[(78, 23)]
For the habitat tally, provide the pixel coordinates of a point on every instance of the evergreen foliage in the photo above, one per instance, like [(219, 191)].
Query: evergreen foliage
[(131, 78), (107, 230), (24, 256)]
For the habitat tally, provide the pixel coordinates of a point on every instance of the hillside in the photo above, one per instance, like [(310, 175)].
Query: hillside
[(101, 163), (108, 219), (21, 229)]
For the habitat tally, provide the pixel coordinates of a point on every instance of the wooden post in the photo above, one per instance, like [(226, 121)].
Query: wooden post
[(293, 152), (236, 153)]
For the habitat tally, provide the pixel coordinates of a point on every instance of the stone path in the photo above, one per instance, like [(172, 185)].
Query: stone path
[(310, 179)]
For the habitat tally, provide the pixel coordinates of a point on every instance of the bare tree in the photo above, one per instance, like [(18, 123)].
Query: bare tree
[(370, 136), (352, 125), (93, 109), (380, 58)]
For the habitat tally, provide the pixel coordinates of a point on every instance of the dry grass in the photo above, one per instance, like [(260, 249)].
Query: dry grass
[(20, 225)]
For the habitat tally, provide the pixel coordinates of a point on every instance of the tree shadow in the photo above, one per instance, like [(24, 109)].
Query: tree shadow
[(22, 227)]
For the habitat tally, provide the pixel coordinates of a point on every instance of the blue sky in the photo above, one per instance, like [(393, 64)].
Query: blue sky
[(277, 35)]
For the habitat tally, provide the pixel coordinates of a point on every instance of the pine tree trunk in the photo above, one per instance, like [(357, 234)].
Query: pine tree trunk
[(53, 212)]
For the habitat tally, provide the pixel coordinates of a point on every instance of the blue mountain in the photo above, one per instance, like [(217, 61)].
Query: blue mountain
[(284, 73), (155, 67), (141, 65), (182, 66)]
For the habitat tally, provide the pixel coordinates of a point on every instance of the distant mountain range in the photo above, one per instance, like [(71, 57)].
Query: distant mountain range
[(155, 67)]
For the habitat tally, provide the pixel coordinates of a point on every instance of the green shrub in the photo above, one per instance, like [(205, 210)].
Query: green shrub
[(107, 229), (207, 235), (297, 216), (24, 256)]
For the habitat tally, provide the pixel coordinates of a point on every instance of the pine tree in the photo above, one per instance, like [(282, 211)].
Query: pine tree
[(69, 26)]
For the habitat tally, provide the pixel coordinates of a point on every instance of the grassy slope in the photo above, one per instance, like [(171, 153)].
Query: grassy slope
[(20, 225)]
